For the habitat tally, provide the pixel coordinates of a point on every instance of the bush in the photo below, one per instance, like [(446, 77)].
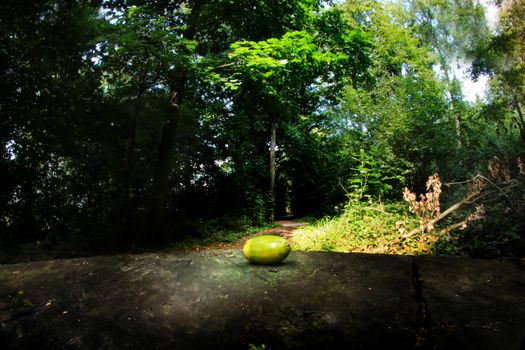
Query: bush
[(362, 227), (487, 221), (502, 232)]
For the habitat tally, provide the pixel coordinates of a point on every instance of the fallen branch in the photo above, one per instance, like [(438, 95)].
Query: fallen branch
[(467, 200), (471, 198), (478, 215), (502, 191)]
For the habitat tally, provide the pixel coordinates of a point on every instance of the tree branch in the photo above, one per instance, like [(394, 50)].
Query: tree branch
[(467, 200), (225, 65), (456, 206)]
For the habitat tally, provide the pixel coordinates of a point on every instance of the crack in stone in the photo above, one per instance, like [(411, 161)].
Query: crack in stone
[(424, 332)]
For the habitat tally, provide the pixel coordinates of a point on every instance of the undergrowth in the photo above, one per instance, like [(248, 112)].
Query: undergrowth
[(486, 221), (215, 234), (362, 227)]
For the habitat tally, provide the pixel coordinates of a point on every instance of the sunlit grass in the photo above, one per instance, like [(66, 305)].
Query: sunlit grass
[(362, 227)]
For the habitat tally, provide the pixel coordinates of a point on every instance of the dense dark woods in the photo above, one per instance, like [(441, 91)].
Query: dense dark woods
[(131, 123)]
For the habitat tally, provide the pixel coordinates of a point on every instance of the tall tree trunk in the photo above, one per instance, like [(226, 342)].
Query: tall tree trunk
[(165, 155), (127, 166), (166, 150), (520, 120), (454, 99), (457, 121), (127, 209), (273, 147)]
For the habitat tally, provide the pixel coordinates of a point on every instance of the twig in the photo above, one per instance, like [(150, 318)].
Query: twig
[(225, 65), (479, 176), (499, 189), (448, 184), (457, 225), (344, 189), (466, 200), (375, 209)]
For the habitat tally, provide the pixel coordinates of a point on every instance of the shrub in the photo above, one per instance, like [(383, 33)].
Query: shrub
[(362, 227), (487, 221)]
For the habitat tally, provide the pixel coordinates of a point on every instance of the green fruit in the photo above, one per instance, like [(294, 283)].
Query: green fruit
[(266, 249)]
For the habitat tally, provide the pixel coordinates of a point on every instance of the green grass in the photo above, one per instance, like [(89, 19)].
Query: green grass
[(362, 227), (216, 234)]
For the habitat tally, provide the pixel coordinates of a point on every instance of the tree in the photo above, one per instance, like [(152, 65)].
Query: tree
[(178, 45), (290, 73), (47, 95), (399, 116), (501, 57), (452, 29)]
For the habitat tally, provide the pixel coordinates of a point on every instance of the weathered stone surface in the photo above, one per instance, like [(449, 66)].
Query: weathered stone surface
[(473, 304), (218, 300)]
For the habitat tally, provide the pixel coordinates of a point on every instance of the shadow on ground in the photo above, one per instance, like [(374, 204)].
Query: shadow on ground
[(215, 299)]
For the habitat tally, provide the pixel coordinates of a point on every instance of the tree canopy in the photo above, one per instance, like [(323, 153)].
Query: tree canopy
[(131, 121)]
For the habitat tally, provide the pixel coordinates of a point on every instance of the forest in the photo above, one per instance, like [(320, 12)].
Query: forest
[(132, 124)]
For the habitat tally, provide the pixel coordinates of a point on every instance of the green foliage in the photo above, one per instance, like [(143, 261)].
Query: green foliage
[(402, 117), (473, 225), (214, 232), (372, 177), (43, 139), (114, 111), (368, 227), (257, 347), (286, 79), (502, 202), (500, 56), (452, 27)]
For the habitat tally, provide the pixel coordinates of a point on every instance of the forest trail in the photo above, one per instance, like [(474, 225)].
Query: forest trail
[(286, 228)]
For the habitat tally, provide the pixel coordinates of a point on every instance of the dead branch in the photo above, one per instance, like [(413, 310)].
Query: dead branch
[(225, 65), (471, 198), (478, 215), (497, 187), (467, 200), (344, 189), (479, 176)]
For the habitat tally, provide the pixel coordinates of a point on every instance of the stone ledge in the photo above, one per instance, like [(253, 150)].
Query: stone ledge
[(217, 300)]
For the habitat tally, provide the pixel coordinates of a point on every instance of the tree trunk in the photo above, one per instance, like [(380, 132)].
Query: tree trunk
[(129, 161), (165, 156), (457, 121), (520, 119), (163, 169), (273, 147), (127, 166)]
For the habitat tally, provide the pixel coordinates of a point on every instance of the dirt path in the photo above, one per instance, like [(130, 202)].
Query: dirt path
[(285, 229)]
